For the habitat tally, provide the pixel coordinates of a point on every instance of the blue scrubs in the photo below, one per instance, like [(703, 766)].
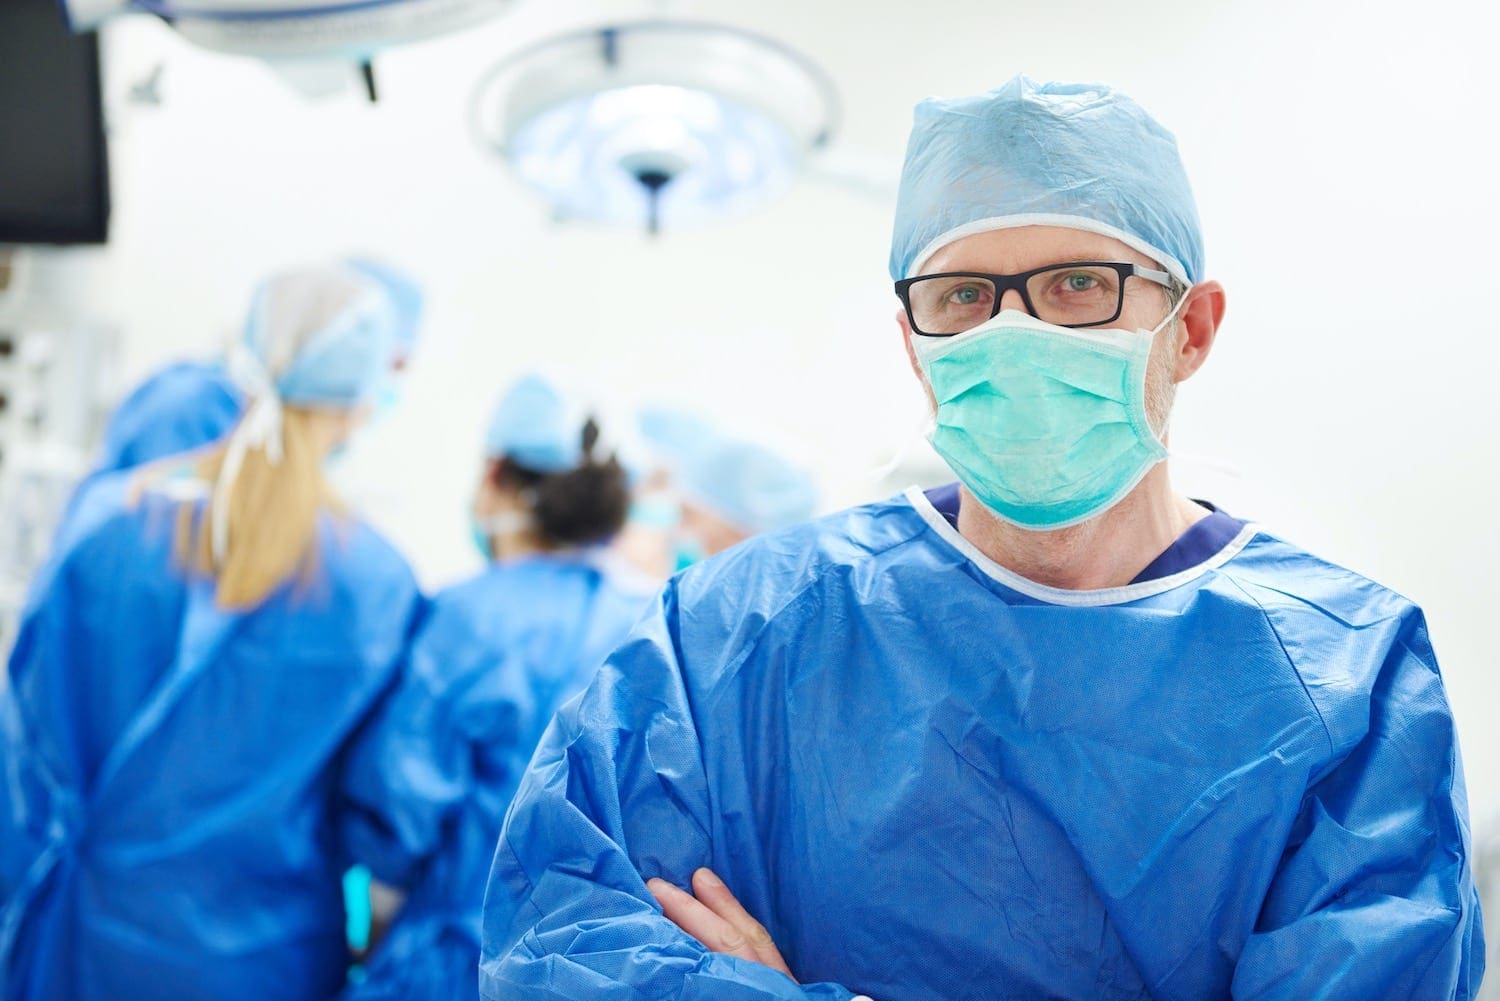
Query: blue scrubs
[(440, 765), (182, 407), (171, 770), (933, 779)]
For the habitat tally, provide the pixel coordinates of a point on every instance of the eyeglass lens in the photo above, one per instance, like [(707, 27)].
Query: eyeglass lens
[(1068, 295)]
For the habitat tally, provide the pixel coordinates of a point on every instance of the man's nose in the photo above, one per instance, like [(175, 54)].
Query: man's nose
[(1011, 299)]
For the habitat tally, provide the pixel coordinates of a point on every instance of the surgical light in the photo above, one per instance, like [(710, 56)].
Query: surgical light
[(655, 123), (297, 29)]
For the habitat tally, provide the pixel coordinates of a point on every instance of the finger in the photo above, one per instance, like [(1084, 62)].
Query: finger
[(714, 895), (687, 913)]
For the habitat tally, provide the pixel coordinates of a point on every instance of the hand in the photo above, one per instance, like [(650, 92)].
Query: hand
[(713, 916)]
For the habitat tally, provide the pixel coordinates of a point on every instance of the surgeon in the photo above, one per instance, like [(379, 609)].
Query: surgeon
[(191, 403), (709, 492), (197, 655), (496, 657), (1055, 731)]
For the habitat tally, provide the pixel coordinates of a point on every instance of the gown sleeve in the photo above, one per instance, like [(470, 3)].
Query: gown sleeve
[(414, 763), (616, 795), (1374, 897)]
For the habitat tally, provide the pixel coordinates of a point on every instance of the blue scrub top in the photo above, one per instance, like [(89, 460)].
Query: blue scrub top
[(434, 773), (172, 781), (184, 406), (930, 778)]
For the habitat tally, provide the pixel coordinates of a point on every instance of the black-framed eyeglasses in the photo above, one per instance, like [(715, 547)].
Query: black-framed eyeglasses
[(1076, 294)]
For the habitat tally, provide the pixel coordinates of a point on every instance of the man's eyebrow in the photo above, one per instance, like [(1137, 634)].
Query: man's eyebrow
[(1061, 261)]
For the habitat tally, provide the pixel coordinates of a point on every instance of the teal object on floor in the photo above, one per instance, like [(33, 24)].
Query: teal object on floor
[(357, 915)]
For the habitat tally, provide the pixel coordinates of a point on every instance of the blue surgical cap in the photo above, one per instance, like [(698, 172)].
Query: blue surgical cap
[(537, 427), (323, 336), (406, 297), (748, 485), (673, 434), (1083, 156), (744, 483)]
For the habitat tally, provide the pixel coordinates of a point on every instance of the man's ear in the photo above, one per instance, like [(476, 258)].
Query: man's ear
[(1198, 325)]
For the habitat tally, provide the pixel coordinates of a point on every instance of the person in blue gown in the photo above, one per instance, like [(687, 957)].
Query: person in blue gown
[(707, 491), (186, 680), (189, 404), (183, 406), (495, 658), (1053, 731)]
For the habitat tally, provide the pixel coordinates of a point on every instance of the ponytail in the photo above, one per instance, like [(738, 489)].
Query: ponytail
[(272, 516)]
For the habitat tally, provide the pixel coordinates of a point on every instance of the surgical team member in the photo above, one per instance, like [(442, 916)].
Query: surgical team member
[(737, 489), (495, 658), (1057, 731), (713, 492), (195, 658), (192, 403)]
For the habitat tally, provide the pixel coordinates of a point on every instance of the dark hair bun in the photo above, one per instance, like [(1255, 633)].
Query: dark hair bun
[(577, 507)]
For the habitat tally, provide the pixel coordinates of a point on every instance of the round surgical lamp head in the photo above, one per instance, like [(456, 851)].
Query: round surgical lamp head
[(655, 123), (297, 29)]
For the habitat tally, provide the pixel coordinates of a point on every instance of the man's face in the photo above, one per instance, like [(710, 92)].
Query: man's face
[(1010, 251)]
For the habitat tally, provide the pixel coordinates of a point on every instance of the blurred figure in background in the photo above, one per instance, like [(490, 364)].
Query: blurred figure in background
[(736, 489), (707, 493), (208, 635), (191, 403), (495, 658)]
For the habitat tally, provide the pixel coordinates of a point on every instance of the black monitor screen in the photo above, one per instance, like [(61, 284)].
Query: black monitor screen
[(54, 174)]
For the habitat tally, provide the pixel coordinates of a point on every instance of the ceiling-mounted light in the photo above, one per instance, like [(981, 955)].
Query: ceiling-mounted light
[(655, 123), (297, 32)]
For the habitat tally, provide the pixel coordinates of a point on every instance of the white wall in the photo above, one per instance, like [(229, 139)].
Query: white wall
[(1341, 152)]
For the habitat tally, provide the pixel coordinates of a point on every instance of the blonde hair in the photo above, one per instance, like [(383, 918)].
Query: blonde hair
[(273, 512)]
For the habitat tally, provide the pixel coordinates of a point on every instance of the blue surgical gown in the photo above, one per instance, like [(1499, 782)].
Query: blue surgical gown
[(437, 769), (172, 771), (182, 407), (933, 779)]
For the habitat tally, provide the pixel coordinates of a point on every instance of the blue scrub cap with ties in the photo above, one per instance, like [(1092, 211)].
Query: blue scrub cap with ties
[(1083, 156), (748, 485), (322, 336), (538, 426), (406, 299)]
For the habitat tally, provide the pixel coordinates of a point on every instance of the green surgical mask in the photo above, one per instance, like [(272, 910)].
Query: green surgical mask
[(481, 538), (1045, 425), (656, 509)]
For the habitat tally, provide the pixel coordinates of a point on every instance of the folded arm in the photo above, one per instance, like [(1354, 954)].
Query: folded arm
[(616, 796), (1374, 896)]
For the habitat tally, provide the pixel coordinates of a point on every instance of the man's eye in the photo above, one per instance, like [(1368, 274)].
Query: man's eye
[(966, 295)]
